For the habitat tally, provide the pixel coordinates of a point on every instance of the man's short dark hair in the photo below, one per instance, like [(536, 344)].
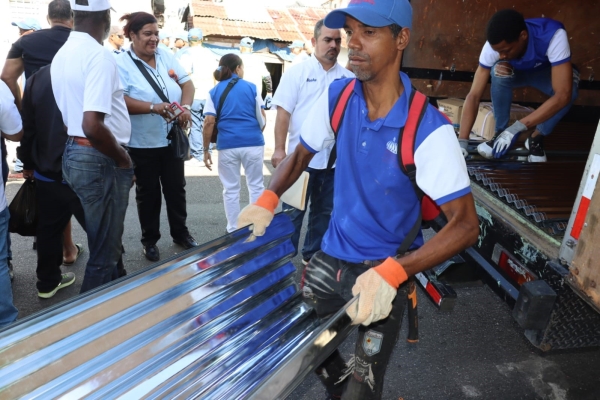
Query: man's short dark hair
[(318, 26), (395, 28), (505, 25), (92, 17), (59, 10)]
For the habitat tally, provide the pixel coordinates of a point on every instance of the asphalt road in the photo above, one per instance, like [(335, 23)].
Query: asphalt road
[(474, 352)]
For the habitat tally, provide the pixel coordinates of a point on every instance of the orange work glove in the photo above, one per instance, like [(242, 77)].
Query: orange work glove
[(259, 214), (377, 288)]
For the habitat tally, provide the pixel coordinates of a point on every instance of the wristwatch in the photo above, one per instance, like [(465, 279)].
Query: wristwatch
[(151, 108), (187, 107)]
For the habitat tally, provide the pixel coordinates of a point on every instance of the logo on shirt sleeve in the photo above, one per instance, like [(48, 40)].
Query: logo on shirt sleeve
[(311, 79)]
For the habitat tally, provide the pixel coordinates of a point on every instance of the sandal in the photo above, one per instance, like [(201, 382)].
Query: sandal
[(79, 251)]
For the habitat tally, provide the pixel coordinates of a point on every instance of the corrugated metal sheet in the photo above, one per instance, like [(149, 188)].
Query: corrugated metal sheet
[(222, 321), (208, 9), (225, 27)]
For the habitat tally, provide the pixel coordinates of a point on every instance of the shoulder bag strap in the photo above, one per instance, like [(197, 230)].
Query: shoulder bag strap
[(336, 118), (230, 86), (406, 158), (151, 81)]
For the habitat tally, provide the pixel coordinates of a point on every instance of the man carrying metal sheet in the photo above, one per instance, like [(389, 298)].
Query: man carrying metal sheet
[(375, 204), (518, 53)]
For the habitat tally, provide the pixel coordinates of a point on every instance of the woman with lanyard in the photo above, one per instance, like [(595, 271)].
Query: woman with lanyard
[(155, 165), (240, 140)]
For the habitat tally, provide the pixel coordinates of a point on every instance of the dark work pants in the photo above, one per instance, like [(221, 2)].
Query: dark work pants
[(327, 286), (156, 168), (57, 202)]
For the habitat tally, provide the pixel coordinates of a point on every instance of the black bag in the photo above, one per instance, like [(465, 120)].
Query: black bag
[(230, 85), (180, 144), (23, 211)]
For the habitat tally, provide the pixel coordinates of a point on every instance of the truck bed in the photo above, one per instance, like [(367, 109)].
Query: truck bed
[(542, 194)]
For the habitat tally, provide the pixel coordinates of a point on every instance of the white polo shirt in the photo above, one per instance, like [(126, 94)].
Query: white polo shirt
[(85, 78), (10, 124), (297, 93), (200, 63)]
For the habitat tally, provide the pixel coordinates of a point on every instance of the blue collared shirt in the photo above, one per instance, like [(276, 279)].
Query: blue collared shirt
[(150, 130), (374, 204)]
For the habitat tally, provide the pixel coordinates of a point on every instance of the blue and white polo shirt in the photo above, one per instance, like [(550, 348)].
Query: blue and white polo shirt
[(375, 205), (548, 45)]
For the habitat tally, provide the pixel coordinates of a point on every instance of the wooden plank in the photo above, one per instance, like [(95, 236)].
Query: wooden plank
[(585, 268)]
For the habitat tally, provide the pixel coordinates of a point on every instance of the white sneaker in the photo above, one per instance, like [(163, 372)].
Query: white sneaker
[(533, 158), (485, 149)]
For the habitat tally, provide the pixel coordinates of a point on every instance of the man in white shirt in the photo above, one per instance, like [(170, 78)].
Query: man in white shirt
[(11, 129), (200, 63), (96, 166), (295, 96), (116, 40), (256, 71)]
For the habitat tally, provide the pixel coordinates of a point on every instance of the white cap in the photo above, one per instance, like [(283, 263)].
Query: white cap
[(90, 5)]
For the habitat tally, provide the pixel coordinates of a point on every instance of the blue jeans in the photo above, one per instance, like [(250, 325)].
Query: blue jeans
[(8, 312), (502, 91), (320, 193), (103, 189), (196, 142)]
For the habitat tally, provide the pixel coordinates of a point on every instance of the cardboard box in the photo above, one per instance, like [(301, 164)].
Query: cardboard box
[(485, 123), (452, 108)]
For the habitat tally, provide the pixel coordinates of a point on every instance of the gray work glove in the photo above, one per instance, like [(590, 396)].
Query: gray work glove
[(506, 139), (464, 143)]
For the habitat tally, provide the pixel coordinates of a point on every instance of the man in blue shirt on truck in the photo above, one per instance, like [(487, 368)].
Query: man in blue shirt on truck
[(521, 52)]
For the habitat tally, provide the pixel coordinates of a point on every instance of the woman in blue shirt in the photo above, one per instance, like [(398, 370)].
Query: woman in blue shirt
[(149, 149), (240, 141)]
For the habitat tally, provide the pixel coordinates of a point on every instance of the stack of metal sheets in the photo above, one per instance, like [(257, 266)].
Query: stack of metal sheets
[(222, 321), (544, 193)]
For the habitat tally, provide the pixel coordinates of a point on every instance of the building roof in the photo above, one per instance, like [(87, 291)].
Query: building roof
[(248, 19)]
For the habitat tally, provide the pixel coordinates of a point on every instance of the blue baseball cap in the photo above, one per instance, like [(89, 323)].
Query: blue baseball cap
[(375, 13), (28, 24), (182, 35), (195, 34), (163, 35)]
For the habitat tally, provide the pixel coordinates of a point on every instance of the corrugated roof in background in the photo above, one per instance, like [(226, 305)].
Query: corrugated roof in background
[(225, 27), (287, 24)]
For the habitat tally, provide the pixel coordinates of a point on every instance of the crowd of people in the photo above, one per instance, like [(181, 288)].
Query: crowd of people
[(98, 108)]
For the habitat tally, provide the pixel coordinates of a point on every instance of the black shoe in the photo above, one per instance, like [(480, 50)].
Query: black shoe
[(151, 253), (536, 149), (186, 243)]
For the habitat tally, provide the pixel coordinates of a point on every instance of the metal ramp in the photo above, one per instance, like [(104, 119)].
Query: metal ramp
[(222, 321)]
